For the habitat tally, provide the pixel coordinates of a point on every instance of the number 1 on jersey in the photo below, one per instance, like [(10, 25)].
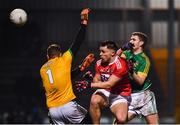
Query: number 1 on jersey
[(49, 73)]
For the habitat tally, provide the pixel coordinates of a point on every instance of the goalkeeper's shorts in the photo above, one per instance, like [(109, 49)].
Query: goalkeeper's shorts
[(70, 113)]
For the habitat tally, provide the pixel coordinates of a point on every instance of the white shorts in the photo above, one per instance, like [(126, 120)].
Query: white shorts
[(68, 113), (113, 99), (143, 103)]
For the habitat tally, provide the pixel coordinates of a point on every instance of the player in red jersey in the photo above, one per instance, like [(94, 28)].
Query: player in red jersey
[(111, 79)]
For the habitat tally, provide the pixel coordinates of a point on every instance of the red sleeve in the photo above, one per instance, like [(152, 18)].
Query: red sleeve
[(119, 52)]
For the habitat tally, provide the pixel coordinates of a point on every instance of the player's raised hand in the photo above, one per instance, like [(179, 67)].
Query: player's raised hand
[(127, 46), (85, 15), (124, 47), (87, 61)]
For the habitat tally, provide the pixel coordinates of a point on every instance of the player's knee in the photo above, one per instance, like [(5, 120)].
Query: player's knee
[(121, 119), (95, 101)]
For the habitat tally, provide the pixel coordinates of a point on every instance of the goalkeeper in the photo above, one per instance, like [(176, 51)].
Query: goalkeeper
[(56, 78)]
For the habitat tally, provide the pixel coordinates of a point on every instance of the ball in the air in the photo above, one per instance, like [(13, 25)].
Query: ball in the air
[(18, 16)]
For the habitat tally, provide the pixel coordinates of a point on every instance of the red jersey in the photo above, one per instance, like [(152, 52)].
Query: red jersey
[(118, 68)]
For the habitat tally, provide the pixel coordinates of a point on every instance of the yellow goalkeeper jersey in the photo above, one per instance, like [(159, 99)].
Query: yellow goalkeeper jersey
[(56, 78)]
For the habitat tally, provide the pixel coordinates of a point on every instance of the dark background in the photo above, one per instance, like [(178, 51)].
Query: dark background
[(23, 50)]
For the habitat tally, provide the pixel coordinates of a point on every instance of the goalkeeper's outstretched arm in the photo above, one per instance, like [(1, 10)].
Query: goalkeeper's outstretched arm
[(81, 33)]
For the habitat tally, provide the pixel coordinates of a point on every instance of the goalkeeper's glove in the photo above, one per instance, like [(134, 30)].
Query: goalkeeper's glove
[(87, 61), (82, 85), (127, 46), (84, 16)]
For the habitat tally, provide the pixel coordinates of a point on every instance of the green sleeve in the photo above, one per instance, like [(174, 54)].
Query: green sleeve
[(128, 54)]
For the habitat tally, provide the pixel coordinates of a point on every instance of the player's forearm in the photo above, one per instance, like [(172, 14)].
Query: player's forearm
[(139, 80), (81, 34), (96, 80), (101, 85), (79, 39)]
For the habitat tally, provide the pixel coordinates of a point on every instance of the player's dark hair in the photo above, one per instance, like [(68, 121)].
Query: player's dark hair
[(142, 36), (110, 45), (53, 50)]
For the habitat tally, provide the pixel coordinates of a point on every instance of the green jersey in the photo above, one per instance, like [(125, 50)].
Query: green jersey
[(141, 67)]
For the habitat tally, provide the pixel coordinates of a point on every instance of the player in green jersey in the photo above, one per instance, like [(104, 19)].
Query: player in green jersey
[(143, 100)]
